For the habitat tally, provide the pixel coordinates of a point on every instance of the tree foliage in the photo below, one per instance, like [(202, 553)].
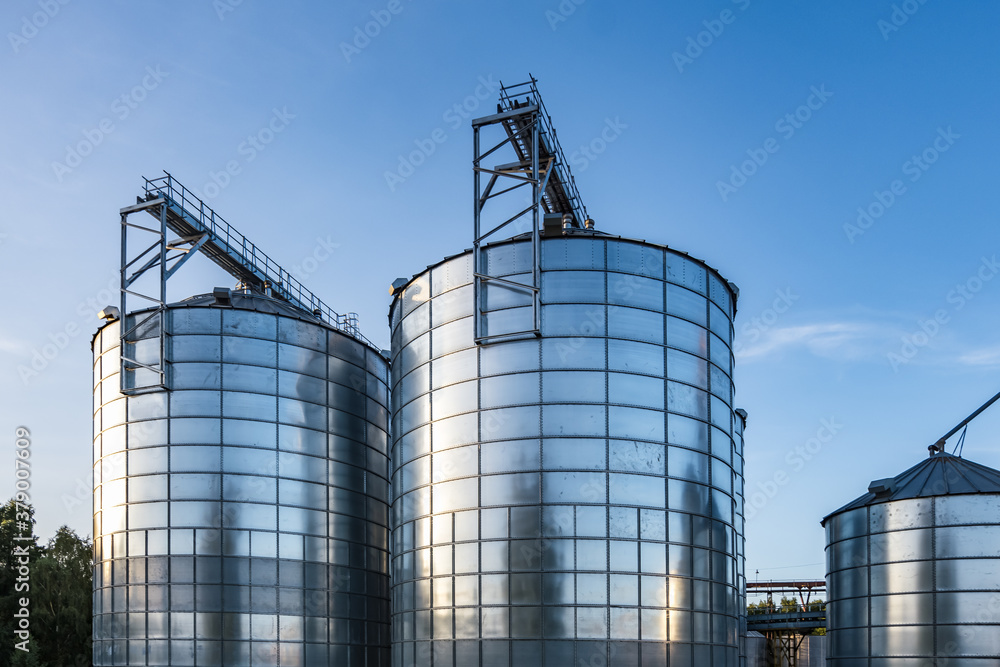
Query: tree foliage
[(58, 587), (786, 605)]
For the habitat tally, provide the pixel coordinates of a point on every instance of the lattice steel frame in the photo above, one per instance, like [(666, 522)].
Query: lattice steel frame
[(533, 176), (166, 257), (199, 228), (540, 164)]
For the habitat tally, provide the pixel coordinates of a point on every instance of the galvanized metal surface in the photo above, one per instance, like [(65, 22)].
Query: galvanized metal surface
[(916, 580), (811, 652), (756, 650), (939, 475), (241, 519), (575, 499)]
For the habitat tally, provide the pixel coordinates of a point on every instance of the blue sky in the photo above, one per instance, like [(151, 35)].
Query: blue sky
[(747, 134)]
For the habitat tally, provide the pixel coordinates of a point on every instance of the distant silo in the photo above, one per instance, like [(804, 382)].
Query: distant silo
[(913, 569), (240, 518), (573, 498)]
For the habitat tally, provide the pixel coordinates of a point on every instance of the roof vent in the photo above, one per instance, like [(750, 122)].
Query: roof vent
[(223, 296), (882, 487), (397, 286), (110, 313), (552, 224)]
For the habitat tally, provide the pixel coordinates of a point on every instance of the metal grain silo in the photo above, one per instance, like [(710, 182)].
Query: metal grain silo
[(913, 569), (240, 517), (575, 497)]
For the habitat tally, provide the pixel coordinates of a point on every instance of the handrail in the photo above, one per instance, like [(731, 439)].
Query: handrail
[(508, 95), (226, 237)]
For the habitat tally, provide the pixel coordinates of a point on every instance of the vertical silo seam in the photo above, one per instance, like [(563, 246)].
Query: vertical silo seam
[(934, 587)]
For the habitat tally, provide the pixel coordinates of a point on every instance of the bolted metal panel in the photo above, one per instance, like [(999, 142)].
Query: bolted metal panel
[(242, 517), (572, 499), (912, 569)]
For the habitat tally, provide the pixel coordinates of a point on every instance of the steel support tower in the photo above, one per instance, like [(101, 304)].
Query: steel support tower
[(540, 165), (785, 631), (199, 229)]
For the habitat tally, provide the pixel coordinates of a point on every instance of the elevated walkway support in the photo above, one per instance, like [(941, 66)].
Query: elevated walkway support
[(539, 164), (786, 630), (199, 229)]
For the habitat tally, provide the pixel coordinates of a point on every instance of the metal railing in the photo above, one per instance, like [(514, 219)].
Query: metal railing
[(547, 134), (255, 264)]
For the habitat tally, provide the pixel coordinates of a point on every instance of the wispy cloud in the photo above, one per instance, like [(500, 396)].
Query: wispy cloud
[(984, 356), (12, 346), (865, 337), (846, 341)]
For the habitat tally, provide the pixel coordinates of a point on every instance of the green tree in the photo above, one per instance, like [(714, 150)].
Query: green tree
[(818, 605), (58, 586), (17, 541), (789, 605), (786, 605), (63, 599)]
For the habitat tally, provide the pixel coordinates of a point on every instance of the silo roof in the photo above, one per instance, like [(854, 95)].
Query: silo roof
[(251, 301), (579, 233), (244, 300), (940, 475)]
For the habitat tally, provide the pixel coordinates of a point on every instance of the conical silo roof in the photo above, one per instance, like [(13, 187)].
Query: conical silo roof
[(941, 474)]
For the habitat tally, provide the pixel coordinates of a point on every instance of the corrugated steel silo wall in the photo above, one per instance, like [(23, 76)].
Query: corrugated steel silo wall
[(241, 518), (756, 649), (812, 653), (915, 582), (575, 499)]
